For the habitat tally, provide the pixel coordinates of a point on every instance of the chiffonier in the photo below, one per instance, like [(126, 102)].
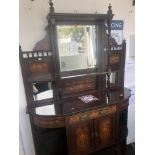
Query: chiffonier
[(74, 86)]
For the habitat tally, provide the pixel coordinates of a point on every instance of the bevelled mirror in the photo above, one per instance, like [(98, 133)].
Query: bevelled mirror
[(77, 47), (114, 80), (42, 91)]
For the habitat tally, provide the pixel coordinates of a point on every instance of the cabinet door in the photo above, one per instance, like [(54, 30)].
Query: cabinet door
[(104, 128), (123, 116), (80, 140)]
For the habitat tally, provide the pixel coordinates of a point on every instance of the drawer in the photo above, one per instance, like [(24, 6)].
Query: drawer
[(91, 115), (49, 122)]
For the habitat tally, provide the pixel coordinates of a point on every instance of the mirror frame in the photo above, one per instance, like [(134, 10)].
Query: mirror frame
[(70, 23)]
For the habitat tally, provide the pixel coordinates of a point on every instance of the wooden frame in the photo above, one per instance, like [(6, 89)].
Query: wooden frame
[(43, 65)]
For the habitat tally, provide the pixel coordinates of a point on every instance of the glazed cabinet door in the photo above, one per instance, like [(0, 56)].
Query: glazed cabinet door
[(80, 138), (104, 128)]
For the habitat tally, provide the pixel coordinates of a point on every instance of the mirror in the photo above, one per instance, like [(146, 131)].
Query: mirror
[(45, 110), (114, 78), (77, 46), (42, 91)]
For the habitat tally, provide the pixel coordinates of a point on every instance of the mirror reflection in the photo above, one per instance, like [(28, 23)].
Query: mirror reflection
[(42, 90), (114, 78), (45, 110), (77, 46)]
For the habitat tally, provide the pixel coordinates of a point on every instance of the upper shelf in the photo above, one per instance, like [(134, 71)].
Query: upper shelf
[(64, 17)]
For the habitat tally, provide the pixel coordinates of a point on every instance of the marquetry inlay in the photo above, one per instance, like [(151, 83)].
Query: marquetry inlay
[(39, 67), (114, 59), (91, 114), (49, 122), (74, 86), (82, 138)]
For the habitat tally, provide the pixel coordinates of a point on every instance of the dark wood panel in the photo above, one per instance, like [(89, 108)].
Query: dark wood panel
[(91, 115), (41, 67), (49, 122), (114, 59), (104, 131), (80, 140), (78, 85), (123, 131)]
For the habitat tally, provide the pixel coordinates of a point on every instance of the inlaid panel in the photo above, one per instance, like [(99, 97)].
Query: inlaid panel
[(91, 115), (114, 58), (80, 138), (104, 131), (78, 85), (49, 122), (41, 67)]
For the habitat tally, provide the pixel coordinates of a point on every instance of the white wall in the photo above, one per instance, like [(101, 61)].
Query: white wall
[(32, 21), (25, 139), (33, 16), (132, 46)]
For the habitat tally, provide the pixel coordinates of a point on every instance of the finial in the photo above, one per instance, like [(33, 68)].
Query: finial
[(20, 48), (109, 9), (124, 40), (51, 3), (51, 6)]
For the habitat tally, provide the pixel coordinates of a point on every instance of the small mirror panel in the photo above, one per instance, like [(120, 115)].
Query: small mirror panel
[(45, 110), (77, 46), (42, 91), (114, 79)]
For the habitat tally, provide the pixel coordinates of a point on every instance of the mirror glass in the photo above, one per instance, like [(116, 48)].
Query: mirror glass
[(45, 110), (77, 46), (42, 91), (114, 78)]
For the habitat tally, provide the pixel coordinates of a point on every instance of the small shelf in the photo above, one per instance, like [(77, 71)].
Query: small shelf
[(83, 75)]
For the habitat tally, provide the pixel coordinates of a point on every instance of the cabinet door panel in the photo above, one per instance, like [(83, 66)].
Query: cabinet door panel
[(123, 116), (80, 139), (104, 131)]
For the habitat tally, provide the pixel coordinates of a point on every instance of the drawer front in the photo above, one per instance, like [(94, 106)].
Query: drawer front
[(78, 85), (90, 115), (49, 122)]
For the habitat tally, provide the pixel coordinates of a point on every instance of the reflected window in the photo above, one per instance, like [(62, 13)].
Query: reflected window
[(77, 46), (42, 91)]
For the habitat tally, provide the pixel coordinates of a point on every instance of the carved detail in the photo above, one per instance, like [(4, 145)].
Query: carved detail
[(51, 7)]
